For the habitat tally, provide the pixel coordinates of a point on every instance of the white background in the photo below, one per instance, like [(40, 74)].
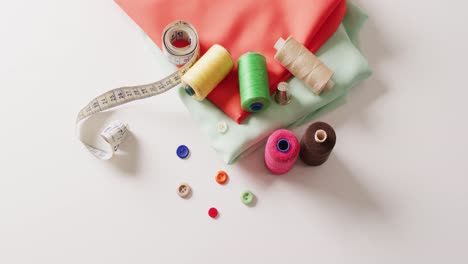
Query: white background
[(395, 189)]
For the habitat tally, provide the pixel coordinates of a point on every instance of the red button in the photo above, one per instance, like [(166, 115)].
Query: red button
[(213, 212)]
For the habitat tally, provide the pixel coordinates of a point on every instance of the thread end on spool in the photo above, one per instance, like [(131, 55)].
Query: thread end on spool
[(320, 136), (279, 44), (283, 145), (255, 107), (189, 90)]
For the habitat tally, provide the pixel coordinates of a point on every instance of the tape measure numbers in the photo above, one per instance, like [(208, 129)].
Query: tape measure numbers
[(116, 132)]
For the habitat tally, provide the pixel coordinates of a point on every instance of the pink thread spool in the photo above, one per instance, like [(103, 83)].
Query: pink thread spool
[(281, 151)]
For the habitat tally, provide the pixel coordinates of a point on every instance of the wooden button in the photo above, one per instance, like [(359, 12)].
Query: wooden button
[(184, 190)]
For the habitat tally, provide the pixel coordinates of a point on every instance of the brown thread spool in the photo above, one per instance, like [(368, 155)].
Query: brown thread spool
[(317, 143)]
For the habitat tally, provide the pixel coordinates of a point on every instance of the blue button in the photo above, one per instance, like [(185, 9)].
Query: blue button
[(182, 151)]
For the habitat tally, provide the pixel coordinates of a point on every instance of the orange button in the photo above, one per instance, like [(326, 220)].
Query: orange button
[(221, 177)]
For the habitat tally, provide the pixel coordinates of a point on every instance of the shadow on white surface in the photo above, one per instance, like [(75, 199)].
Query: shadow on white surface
[(253, 165), (376, 49), (127, 157), (374, 44), (331, 184), (91, 128), (253, 203), (337, 185)]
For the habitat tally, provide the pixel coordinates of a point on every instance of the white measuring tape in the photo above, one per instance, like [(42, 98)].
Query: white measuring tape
[(116, 132)]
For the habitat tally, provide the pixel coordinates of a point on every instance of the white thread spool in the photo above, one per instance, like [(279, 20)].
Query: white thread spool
[(304, 64)]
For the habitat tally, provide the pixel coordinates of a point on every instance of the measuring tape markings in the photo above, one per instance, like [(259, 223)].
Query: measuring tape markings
[(116, 132)]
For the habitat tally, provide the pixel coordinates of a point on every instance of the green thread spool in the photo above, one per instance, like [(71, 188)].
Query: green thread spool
[(253, 82)]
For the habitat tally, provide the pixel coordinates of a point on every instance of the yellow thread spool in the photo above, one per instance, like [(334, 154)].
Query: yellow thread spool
[(208, 72)]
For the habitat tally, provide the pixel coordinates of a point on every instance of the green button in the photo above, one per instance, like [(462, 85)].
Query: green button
[(247, 197)]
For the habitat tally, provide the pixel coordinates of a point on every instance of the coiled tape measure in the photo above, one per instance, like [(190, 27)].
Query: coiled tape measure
[(116, 132)]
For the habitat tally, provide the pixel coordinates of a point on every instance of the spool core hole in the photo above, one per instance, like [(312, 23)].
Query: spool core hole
[(255, 107), (320, 136), (283, 145), (189, 90)]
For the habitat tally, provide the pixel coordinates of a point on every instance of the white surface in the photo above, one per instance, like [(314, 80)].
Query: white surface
[(395, 190)]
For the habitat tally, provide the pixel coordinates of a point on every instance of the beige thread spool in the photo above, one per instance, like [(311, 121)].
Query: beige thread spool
[(304, 65), (208, 72)]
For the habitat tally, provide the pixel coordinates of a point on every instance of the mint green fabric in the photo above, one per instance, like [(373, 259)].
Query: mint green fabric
[(340, 53)]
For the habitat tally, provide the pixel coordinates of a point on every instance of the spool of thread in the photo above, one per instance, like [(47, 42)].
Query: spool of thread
[(281, 151), (207, 72), (317, 143), (304, 65), (253, 82)]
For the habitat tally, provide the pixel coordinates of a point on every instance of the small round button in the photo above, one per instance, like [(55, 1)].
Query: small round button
[(213, 212), (222, 127), (221, 177), (184, 190), (247, 197), (182, 151)]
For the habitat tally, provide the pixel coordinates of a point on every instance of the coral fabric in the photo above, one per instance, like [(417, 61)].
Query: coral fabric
[(242, 26)]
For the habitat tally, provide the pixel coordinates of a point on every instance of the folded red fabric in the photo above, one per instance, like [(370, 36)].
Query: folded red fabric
[(241, 26)]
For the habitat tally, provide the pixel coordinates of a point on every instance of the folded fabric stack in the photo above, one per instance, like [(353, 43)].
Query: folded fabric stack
[(316, 24)]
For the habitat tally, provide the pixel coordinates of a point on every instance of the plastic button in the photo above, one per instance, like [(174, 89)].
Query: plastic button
[(182, 151), (222, 127), (221, 177), (213, 212), (247, 197), (184, 190)]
